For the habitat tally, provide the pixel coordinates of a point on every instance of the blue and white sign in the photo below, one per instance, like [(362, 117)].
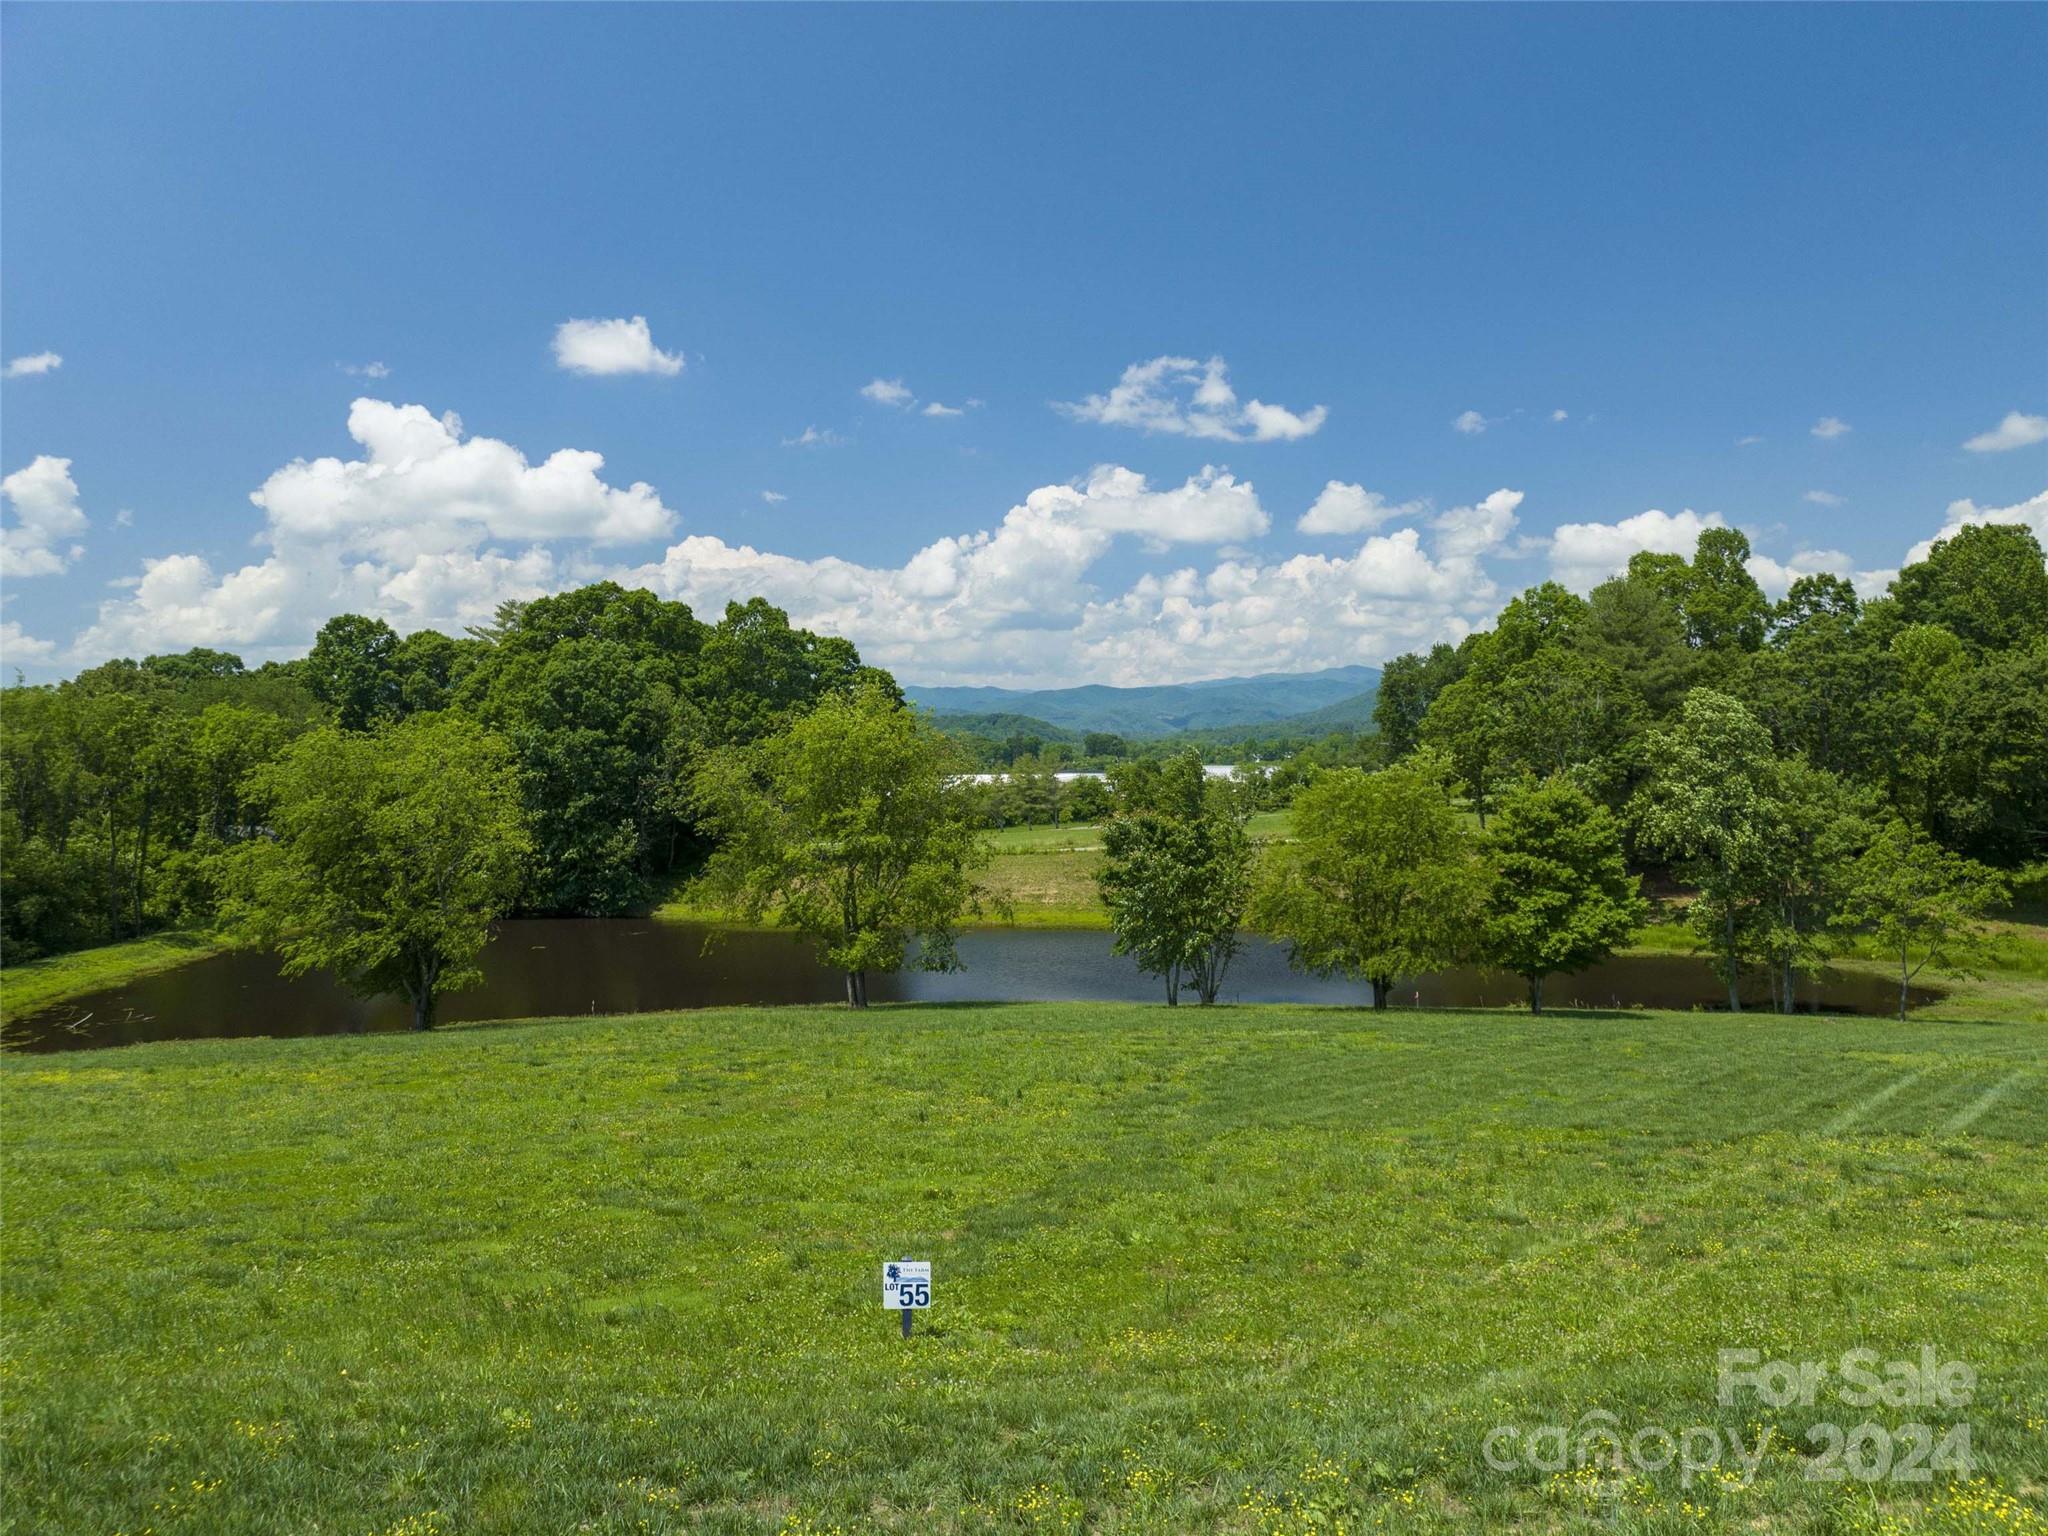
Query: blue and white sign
[(907, 1283)]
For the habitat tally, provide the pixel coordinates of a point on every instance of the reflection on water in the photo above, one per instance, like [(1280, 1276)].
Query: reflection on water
[(550, 967)]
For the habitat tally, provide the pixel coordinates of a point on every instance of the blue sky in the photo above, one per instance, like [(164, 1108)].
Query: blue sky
[(1700, 234)]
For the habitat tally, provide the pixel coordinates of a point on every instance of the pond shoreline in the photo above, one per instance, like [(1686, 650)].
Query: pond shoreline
[(547, 968)]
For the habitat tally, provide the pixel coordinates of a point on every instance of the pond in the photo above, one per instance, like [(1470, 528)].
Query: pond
[(550, 967)]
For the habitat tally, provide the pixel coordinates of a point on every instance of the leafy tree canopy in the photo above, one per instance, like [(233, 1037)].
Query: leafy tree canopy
[(1176, 874), (392, 853), (845, 825), (1380, 881), (1561, 897), (1985, 584)]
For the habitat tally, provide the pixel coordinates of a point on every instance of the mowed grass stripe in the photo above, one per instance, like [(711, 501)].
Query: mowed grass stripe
[(587, 1274)]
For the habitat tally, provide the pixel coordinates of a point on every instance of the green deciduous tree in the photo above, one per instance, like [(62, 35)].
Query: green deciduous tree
[(1919, 902), (1561, 897), (350, 670), (1176, 875), (844, 825), (391, 853), (1408, 686), (1706, 804), (756, 672), (1380, 881), (1985, 584), (590, 689), (1464, 726), (1085, 800), (1813, 825), (1725, 610), (1561, 711), (1815, 682)]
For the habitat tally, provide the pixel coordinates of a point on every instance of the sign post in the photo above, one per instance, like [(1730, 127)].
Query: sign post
[(907, 1287)]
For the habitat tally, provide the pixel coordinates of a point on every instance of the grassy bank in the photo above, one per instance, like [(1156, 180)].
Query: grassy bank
[(1047, 874), (1264, 827), (1257, 1269), (2011, 984), (39, 983)]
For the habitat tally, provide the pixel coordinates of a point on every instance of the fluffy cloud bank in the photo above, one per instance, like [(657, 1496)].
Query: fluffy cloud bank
[(422, 487), (44, 500), (1186, 398), (426, 526), (33, 364), (410, 530), (612, 346), (1014, 604)]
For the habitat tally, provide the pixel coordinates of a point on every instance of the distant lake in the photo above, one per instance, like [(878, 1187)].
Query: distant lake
[(549, 967)]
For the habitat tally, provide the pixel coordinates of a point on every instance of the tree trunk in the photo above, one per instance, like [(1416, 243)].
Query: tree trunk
[(142, 854), (856, 990), (1535, 994), (423, 1008), (1904, 977), (1734, 975), (1382, 988), (1173, 985), (113, 876)]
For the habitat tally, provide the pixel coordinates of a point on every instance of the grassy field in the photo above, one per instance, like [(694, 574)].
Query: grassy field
[(2010, 985), (1264, 826), (1243, 1270), (39, 983), (1047, 874)]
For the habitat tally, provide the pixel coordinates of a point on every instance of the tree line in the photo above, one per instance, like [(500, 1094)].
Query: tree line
[(130, 794), (1811, 770), (1816, 772)]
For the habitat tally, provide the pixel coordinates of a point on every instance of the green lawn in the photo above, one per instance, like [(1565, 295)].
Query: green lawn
[(1264, 826), (1258, 1269), (1047, 874)]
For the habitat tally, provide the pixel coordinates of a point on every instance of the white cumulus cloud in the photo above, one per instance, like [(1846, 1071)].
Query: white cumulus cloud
[(2018, 430), (774, 498), (1776, 576), (420, 485), (44, 500), (1186, 398), (33, 364), (1471, 423), (1823, 498), (426, 528), (1014, 604), (2031, 513), (1464, 532), (612, 346), (18, 648), (1341, 507), (814, 437), (1831, 427), (1582, 555), (887, 392)]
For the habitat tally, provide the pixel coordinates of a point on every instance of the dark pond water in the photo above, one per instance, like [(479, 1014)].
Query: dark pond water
[(544, 968)]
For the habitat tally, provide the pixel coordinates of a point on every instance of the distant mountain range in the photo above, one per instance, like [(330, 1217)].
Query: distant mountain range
[(1333, 699)]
